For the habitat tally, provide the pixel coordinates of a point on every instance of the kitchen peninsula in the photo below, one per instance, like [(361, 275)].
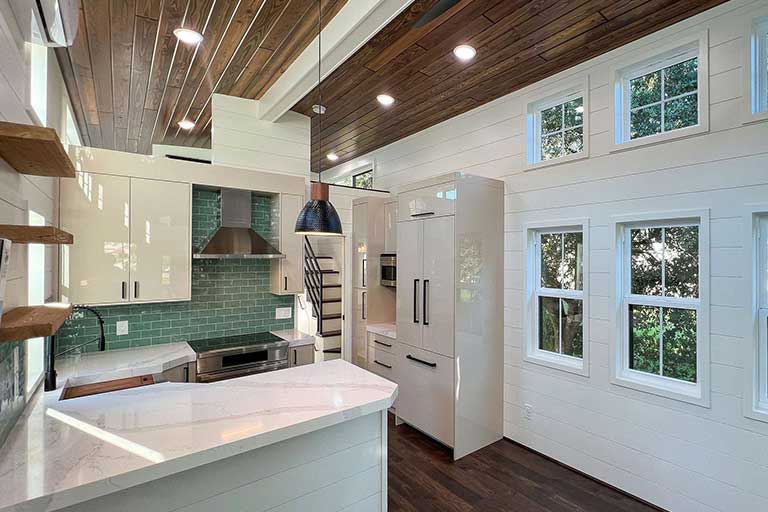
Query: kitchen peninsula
[(264, 441)]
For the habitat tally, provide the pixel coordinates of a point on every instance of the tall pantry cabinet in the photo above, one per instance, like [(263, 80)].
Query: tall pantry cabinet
[(449, 360), (371, 302)]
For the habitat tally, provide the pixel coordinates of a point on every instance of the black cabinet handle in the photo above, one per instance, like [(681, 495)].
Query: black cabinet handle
[(423, 214), (125, 290), (415, 301), (285, 283), (136, 289), (382, 343), (364, 295), (425, 363), (424, 302), (186, 373), (388, 367), (365, 270), (295, 355)]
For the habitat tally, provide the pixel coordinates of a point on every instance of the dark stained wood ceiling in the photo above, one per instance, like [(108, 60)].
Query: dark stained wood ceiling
[(131, 82), (518, 42)]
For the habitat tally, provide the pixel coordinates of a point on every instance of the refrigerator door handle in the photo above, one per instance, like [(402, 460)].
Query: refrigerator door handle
[(416, 301), (425, 302)]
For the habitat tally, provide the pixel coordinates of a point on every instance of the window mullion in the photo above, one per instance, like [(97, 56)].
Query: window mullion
[(663, 86), (661, 341), (663, 262), (560, 327)]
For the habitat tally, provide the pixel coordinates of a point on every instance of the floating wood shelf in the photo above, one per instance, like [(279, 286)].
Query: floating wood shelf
[(33, 321), (34, 150), (35, 235)]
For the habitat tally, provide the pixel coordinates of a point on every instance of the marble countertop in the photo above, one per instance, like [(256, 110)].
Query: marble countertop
[(385, 329), (65, 452), (296, 337)]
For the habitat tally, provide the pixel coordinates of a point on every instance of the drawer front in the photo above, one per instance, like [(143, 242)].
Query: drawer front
[(381, 363), (427, 202), (382, 342), (425, 399)]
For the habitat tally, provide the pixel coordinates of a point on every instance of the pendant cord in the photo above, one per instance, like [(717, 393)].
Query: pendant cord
[(319, 88)]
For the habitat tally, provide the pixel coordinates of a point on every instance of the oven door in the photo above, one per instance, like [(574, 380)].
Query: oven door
[(239, 359), (389, 270), (207, 378)]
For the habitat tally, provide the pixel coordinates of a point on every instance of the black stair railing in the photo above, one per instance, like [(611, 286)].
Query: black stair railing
[(313, 281)]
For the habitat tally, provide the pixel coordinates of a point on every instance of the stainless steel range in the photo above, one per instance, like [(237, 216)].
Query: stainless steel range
[(236, 356)]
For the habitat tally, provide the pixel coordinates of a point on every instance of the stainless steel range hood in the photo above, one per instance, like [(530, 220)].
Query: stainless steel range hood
[(235, 238)]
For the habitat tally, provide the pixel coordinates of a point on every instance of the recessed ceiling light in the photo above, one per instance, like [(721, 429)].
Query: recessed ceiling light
[(464, 52), (385, 99), (188, 36), (186, 124), (333, 157), (318, 109)]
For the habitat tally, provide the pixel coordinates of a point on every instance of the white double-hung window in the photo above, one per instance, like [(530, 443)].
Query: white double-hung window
[(757, 407), (556, 319), (758, 69), (663, 319)]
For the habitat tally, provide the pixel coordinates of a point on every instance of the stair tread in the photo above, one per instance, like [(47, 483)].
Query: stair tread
[(331, 286), (324, 271), (328, 334), (332, 316), (319, 257), (332, 350), (330, 301)]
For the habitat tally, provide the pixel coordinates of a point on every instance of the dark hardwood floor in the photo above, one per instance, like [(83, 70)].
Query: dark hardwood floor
[(504, 476)]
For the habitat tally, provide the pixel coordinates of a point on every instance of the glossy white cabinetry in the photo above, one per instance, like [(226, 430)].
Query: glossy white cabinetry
[(160, 240), (288, 272), (371, 302), (449, 356), (390, 226), (132, 240)]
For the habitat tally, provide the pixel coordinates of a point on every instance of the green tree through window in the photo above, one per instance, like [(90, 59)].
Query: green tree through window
[(562, 129), (664, 100)]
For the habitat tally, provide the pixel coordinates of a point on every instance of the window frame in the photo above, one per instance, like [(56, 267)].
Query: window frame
[(546, 99), (532, 249), (756, 80), (695, 393), (663, 56), (755, 353)]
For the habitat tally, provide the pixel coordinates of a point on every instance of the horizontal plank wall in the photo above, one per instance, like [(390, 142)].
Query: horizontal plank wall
[(679, 456), (337, 468), (20, 194)]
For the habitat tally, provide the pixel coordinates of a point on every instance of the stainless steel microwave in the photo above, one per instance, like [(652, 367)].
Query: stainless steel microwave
[(388, 269)]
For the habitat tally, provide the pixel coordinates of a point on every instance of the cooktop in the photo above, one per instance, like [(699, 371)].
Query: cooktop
[(230, 342)]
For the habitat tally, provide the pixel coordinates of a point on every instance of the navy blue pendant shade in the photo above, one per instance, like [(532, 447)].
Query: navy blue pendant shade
[(318, 217)]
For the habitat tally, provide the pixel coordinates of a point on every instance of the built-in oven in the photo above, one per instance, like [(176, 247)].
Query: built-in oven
[(388, 269), (236, 356)]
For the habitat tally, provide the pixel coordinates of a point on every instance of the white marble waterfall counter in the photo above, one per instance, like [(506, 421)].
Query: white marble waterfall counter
[(63, 453)]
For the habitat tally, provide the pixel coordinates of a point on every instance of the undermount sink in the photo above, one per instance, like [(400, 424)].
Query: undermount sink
[(98, 388)]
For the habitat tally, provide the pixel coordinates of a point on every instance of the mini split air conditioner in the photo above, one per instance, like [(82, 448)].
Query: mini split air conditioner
[(57, 21)]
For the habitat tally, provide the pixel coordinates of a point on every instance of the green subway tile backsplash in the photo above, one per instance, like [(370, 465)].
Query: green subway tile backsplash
[(229, 296)]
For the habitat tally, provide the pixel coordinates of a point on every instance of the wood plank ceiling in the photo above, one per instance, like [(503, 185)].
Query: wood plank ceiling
[(131, 82), (518, 42)]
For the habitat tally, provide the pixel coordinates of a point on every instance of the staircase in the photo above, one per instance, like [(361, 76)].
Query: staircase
[(322, 281)]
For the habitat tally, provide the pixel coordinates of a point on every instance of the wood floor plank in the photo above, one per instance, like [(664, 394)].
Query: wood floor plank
[(502, 477)]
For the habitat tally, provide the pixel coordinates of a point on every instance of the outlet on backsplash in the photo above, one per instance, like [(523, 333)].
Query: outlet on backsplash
[(121, 327), (281, 313)]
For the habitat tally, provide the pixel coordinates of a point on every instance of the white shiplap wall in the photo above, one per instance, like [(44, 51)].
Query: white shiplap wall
[(677, 455)]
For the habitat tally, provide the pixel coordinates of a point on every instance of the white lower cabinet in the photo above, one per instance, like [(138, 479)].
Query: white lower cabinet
[(299, 356), (132, 240), (426, 382), (288, 272)]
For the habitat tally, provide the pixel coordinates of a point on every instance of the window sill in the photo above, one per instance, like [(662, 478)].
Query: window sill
[(755, 117), (664, 387), (581, 155), (558, 362), (660, 138)]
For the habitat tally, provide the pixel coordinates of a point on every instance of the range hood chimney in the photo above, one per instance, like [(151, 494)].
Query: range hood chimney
[(235, 238)]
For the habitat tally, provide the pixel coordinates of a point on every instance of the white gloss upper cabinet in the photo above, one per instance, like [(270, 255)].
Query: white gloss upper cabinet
[(161, 262), (288, 272), (390, 227), (410, 263), (438, 290), (95, 208), (429, 201), (132, 240)]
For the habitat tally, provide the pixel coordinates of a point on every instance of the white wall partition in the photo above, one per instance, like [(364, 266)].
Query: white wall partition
[(675, 454)]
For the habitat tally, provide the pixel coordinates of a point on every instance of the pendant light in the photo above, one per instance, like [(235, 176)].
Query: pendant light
[(319, 217)]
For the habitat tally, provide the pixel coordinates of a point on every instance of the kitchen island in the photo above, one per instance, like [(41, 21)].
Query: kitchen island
[(292, 439)]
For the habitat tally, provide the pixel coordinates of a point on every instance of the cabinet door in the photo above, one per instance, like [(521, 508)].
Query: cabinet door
[(359, 326), (426, 202), (390, 227), (161, 247), (360, 245), (288, 277), (425, 399), (409, 282), (95, 209), (438, 289), (300, 356)]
